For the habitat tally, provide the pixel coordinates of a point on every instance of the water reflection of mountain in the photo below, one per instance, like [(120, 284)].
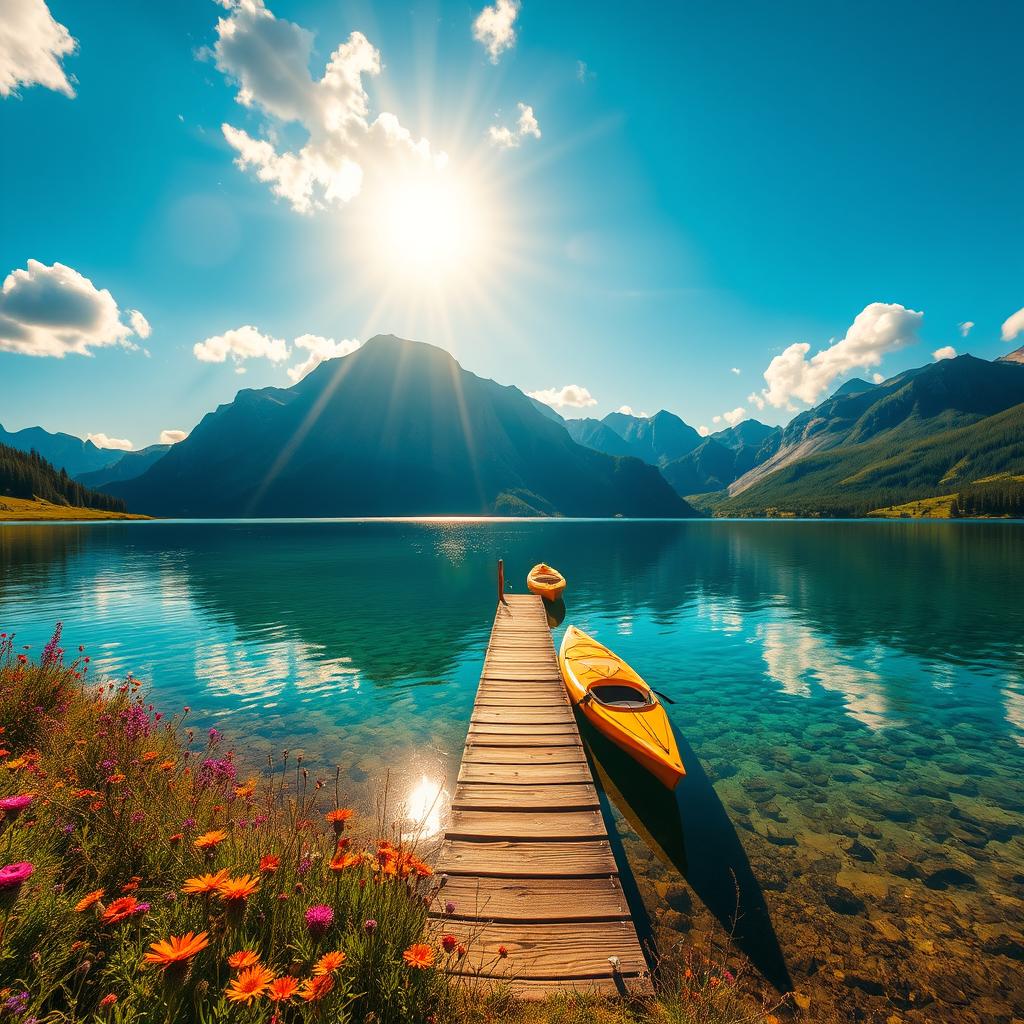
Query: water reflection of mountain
[(935, 590)]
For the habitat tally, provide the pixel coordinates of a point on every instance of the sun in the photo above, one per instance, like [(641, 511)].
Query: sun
[(429, 230)]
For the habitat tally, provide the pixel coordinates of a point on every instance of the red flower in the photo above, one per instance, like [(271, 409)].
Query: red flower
[(448, 943)]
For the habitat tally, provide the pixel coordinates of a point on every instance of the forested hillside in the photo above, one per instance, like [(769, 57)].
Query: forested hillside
[(28, 475)]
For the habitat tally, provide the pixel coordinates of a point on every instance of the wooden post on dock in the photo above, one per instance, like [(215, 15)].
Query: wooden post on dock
[(529, 866), (501, 581)]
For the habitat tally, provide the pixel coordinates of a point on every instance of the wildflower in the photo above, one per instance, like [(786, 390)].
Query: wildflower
[(318, 919), (448, 942), (150, 755), (269, 864), (16, 1004), (419, 955), (116, 778), (502, 952), (85, 794), (249, 985), (12, 806), (246, 789), (177, 950), (282, 989), (461, 950), (108, 1000), (88, 900), (209, 840), (122, 908), (176, 838), (204, 884), (241, 888), (316, 988), (13, 876), (342, 861), (369, 926), (329, 962), (167, 766), (243, 958), (131, 886), (338, 817)]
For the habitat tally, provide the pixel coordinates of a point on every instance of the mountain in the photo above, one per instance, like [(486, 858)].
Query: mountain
[(127, 467), (1016, 356), (594, 434), (912, 405), (930, 431), (395, 428), (856, 386), (656, 439), (722, 458), (64, 451), (748, 434), (544, 409), (28, 475)]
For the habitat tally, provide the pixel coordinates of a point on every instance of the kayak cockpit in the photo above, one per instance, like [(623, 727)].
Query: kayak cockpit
[(619, 695)]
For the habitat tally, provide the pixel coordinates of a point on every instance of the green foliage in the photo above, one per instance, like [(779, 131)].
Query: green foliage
[(1001, 496), (29, 475)]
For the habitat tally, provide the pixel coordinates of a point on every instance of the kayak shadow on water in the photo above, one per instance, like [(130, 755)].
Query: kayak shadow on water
[(690, 832), (555, 611)]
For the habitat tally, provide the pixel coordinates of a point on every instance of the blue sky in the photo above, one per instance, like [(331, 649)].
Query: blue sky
[(711, 186)]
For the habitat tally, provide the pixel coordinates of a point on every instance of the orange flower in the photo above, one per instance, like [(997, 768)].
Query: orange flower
[(88, 900), (243, 958), (249, 985), (238, 888), (177, 949), (85, 794), (340, 815), (150, 755), (246, 789), (329, 963), (204, 884), (502, 952), (121, 908), (342, 860), (176, 838), (282, 988), (208, 840), (316, 988), (117, 778), (270, 863), (168, 766), (129, 887), (419, 955), (108, 1000)]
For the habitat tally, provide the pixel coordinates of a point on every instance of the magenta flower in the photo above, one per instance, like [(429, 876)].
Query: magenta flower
[(13, 875), (318, 919), (14, 805)]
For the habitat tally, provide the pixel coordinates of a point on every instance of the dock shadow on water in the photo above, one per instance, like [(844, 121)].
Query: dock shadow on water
[(691, 833)]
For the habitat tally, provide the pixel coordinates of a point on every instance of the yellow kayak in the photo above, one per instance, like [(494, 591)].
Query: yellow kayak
[(545, 581), (620, 705)]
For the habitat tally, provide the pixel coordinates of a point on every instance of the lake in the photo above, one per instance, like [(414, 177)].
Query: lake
[(849, 698)]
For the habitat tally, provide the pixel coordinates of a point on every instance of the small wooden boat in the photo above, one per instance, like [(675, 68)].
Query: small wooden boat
[(620, 705), (545, 581)]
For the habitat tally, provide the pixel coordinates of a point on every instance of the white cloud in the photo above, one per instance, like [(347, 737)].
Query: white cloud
[(319, 349), (965, 328), (734, 369), (1013, 325), (240, 344), (703, 430), (172, 436), (269, 59), (946, 352), (102, 441), (55, 311), (32, 45), (583, 73), (495, 27), (509, 138), (716, 419), (626, 410), (733, 416), (571, 396), (140, 325), (878, 377), (879, 328)]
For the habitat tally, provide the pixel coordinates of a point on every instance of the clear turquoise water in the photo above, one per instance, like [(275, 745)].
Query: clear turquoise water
[(850, 697)]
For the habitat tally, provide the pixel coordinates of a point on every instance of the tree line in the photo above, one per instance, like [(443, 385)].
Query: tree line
[(28, 475)]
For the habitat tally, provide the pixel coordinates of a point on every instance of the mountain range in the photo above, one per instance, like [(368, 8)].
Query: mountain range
[(400, 428), (395, 428)]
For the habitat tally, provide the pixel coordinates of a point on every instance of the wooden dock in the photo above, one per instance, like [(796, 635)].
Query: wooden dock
[(527, 855)]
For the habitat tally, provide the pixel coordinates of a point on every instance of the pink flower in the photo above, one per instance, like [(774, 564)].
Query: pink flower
[(13, 875), (318, 919), (14, 805)]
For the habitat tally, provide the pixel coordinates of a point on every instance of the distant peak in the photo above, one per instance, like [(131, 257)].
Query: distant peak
[(856, 386), (1016, 356)]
